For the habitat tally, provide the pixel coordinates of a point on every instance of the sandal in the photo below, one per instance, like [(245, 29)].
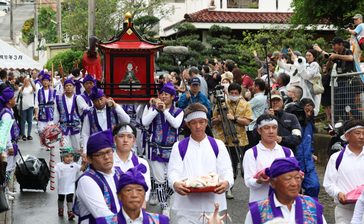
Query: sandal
[(30, 137)]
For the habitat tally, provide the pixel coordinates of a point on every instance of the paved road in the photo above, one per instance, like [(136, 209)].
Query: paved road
[(37, 207), (21, 13)]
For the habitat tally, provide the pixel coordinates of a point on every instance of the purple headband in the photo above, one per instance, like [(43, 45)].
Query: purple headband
[(46, 76), (169, 88), (69, 81), (88, 78), (99, 141), (133, 176), (281, 166), (96, 93), (6, 95)]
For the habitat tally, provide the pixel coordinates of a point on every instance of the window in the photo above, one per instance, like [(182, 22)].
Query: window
[(243, 4)]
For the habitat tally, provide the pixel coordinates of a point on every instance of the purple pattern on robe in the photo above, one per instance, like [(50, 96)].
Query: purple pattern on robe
[(46, 109), (69, 120), (111, 116), (307, 210), (163, 134), (108, 196), (148, 218), (14, 131)]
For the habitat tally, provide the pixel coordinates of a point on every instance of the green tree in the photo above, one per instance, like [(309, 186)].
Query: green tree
[(75, 19), (68, 59), (222, 43), (46, 24), (335, 12), (109, 18)]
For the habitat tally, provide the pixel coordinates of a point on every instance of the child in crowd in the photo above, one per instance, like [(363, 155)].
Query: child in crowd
[(67, 173)]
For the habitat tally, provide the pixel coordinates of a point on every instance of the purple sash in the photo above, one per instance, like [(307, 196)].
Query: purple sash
[(101, 182), (134, 159), (146, 218), (183, 145), (287, 151), (339, 159), (69, 120), (277, 212)]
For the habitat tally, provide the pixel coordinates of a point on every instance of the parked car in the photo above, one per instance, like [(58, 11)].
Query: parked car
[(4, 6)]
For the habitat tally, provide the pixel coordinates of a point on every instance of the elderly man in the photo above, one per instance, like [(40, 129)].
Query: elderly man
[(195, 156), (131, 192), (344, 171), (124, 157), (285, 202), (96, 197), (261, 156), (104, 115)]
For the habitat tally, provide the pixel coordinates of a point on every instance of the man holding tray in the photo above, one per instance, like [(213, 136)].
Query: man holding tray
[(344, 171), (194, 156)]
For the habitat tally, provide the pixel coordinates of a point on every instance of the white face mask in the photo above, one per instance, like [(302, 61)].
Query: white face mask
[(234, 98)]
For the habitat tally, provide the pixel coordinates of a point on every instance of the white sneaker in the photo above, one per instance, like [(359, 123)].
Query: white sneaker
[(11, 198), (153, 199), (229, 195), (166, 211)]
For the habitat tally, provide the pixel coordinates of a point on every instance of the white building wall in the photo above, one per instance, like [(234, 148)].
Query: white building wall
[(191, 6)]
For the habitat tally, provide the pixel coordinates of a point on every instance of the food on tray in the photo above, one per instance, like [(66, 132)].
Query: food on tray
[(209, 180)]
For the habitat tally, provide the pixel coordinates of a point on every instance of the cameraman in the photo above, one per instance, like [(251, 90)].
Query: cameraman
[(240, 115), (344, 60), (358, 33)]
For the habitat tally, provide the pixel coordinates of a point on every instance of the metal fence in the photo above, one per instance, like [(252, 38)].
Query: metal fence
[(347, 96)]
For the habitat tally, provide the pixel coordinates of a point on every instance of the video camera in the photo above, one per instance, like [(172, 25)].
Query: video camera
[(218, 93)]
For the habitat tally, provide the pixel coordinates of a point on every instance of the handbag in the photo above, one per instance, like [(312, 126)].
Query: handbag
[(317, 86), (4, 203)]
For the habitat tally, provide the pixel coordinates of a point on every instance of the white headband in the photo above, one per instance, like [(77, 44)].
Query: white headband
[(267, 122), (125, 129), (353, 128), (195, 115)]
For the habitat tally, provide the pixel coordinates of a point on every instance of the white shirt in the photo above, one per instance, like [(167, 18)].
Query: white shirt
[(28, 97), (288, 215), (7, 116), (125, 166), (67, 175), (91, 199), (101, 117), (46, 97), (128, 220), (81, 104), (252, 166), (258, 104), (348, 177), (199, 159), (69, 104), (150, 113), (359, 210)]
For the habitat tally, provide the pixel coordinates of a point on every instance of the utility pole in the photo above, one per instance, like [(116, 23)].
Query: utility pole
[(59, 21), (35, 43), (91, 19), (11, 21)]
